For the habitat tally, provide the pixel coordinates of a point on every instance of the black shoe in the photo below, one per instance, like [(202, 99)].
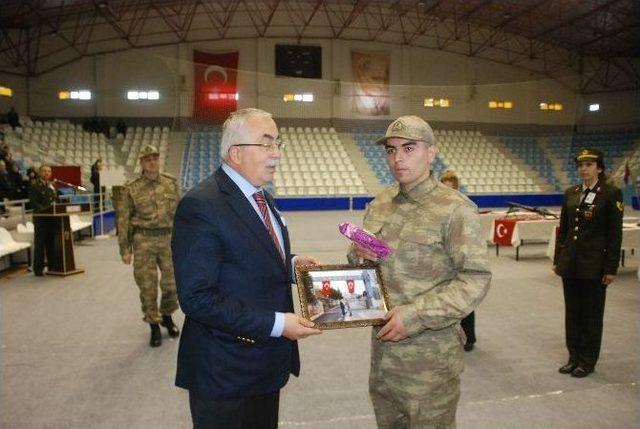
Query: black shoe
[(38, 274), (468, 347), (568, 368), (156, 335), (173, 330), (581, 372)]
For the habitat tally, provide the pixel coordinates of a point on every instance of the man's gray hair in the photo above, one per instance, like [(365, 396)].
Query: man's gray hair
[(232, 129)]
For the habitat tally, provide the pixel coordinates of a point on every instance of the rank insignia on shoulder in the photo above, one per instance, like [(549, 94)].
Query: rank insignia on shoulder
[(620, 205)]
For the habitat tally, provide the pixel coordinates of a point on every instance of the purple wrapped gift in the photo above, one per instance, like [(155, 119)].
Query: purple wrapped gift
[(366, 239)]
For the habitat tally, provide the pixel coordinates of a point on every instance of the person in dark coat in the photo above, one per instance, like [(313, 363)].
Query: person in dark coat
[(96, 167), (41, 195), (587, 257)]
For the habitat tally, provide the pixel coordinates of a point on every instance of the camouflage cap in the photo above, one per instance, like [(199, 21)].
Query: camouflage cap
[(410, 128), (590, 154), (149, 150)]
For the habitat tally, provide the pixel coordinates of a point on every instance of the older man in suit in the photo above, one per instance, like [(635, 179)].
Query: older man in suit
[(233, 270)]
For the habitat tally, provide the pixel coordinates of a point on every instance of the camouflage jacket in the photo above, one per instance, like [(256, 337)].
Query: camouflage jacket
[(146, 203), (439, 272)]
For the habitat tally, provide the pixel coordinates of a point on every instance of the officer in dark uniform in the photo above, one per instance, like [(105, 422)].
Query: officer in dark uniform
[(587, 257), (41, 195)]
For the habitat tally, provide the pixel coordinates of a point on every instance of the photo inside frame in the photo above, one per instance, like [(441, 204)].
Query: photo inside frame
[(344, 298)]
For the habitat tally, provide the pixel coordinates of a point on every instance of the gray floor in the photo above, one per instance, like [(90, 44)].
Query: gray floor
[(74, 352)]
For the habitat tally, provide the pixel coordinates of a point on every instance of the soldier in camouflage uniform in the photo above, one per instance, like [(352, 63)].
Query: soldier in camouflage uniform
[(145, 211), (438, 273), (42, 195)]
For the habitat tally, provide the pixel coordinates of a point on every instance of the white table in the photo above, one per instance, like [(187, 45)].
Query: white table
[(527, 230)]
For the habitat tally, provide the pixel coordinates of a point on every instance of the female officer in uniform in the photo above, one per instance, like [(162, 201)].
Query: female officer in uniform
[(587, 256)]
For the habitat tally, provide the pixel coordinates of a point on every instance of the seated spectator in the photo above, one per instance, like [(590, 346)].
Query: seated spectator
[(121, 127), (6, 187), (12, 118)]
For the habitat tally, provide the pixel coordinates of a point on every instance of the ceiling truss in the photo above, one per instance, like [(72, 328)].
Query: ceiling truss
[(594, 39)]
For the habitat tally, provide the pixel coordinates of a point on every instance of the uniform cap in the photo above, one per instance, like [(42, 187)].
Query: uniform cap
[(589, 154), (149, 150), (410, 128)]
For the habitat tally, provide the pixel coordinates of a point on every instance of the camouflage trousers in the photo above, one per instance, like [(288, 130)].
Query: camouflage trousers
[(415, 383), (401, 410), (149, 255)]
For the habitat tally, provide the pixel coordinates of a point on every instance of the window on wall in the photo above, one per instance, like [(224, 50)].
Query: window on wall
[(437, 102), (594, 107), (501, 104), (81, 94), (551, 106), (5, 91), (304, 98), (137, 95)]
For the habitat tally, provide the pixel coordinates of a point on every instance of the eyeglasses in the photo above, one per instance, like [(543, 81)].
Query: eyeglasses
[(276, 144)]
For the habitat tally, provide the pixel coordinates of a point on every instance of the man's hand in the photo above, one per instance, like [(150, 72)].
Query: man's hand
[(607, 279), (297, 328), (364, 253), (306, 260), (394, 329), (127, 257), (555, 270)]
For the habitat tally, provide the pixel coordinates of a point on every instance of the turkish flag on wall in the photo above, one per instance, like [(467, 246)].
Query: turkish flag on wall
[(503, 231), (326, 288), (215, 86), (351, 285)]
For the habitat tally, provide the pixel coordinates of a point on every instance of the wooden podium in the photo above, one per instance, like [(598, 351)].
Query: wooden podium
[(62, 261)]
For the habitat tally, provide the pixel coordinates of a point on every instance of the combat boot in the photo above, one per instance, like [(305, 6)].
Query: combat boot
[(173, 330), (156, 335)]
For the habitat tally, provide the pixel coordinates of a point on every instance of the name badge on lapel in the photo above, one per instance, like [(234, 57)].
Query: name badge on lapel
[(590, 197)]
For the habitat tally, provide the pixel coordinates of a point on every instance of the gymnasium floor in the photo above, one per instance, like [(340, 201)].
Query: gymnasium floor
[(74, 352)]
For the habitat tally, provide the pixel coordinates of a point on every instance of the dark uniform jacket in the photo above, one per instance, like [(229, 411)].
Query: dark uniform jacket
[(590, 234), (41, 195)]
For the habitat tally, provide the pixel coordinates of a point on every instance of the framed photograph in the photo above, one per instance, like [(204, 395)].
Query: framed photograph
[(342, 296)]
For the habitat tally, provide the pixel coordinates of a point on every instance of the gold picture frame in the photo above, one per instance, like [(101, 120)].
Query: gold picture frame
[(342, 296)]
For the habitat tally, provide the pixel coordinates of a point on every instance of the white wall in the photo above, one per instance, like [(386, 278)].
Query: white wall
[(470, 83)]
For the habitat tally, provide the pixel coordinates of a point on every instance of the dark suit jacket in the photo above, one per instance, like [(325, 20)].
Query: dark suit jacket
[(231, 281), (589, 238)]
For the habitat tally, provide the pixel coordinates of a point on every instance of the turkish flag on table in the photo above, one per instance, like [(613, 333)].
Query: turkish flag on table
[(503, 231), (326, 288)]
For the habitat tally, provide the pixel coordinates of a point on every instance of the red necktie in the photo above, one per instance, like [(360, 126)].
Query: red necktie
[(264, 210)]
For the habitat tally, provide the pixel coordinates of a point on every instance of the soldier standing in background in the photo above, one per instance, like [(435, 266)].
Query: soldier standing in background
[(438, 273), (42, 195), (145, 220)]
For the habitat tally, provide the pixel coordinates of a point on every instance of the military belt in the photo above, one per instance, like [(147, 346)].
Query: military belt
[(152, 232)]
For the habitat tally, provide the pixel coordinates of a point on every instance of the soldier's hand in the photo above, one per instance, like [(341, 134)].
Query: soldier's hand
[(394, 329), (127, 257), (364, 253), (607, 279), (296, 327), (555, 270)]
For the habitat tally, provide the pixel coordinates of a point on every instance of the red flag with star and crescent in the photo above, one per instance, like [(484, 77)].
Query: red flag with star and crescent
[(503, 231), (326, 288), (215, 86)]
